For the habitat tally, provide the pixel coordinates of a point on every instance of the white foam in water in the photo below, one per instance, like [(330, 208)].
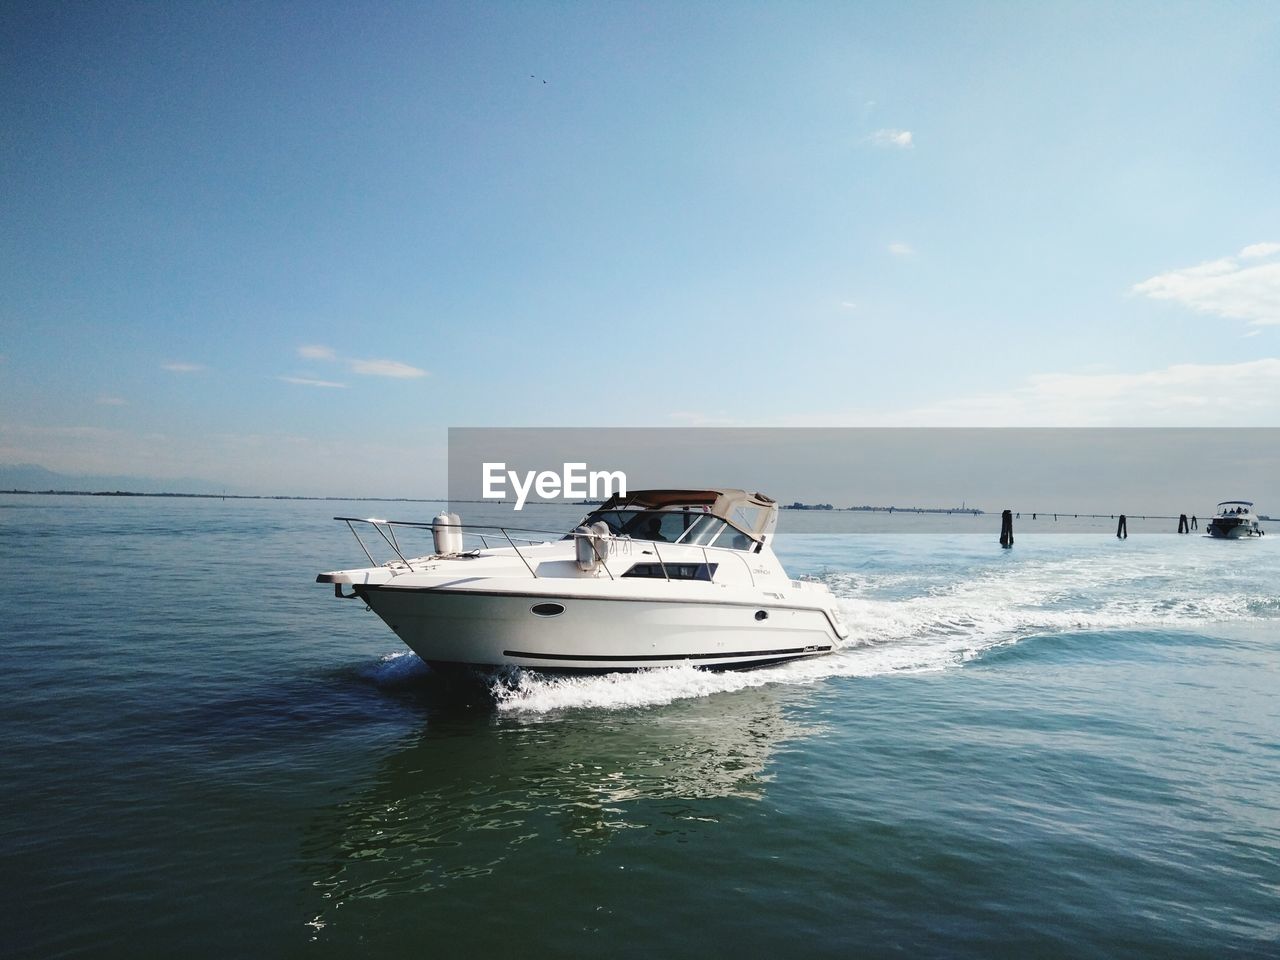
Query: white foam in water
[(396, 668), (537, 693), (937, 622)]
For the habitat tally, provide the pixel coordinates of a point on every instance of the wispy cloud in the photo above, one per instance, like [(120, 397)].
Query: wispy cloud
[(1182, 395), (386, 368), (1243, 287), (179, 366), (315, 351), (310, 382), (112, 401), (369, 368), (897, 139), (848, 305), (900, 249), (1186, 394)]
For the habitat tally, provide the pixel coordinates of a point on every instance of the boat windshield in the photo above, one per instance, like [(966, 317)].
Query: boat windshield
[(692, 527)]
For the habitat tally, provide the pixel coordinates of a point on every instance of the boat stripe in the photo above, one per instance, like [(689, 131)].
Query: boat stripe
[(771, 603), (669, 656)]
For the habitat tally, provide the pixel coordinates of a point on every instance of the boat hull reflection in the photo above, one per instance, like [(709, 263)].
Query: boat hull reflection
[(475, 795)]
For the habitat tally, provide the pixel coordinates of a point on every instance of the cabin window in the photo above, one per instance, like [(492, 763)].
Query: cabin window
[(704, 530), (665, 526), (714, 532), (615, 520), (673, 571), (693, 527), (748, 516), (731, 539)]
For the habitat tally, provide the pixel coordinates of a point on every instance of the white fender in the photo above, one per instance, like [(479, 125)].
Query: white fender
[(446, 530), (585, 549)]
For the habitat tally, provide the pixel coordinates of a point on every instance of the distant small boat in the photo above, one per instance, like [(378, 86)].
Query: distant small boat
[(1235, 520)]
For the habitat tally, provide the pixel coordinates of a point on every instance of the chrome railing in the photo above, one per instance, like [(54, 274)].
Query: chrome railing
[(503, 536), (386, 529)]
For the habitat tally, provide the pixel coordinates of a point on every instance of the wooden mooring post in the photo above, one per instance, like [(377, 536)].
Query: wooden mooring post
[(1122, 529), (1006, 529)]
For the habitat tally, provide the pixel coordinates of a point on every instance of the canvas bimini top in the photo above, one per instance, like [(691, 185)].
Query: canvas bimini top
[(753, 513)]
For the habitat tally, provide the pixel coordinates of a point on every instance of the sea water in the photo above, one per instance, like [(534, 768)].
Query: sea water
[(1067, 749)]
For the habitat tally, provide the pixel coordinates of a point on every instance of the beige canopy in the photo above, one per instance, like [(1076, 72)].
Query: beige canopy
[(753, 513)]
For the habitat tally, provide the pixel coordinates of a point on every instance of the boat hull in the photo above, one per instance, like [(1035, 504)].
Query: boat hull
[(1235, 531), (591, 634)]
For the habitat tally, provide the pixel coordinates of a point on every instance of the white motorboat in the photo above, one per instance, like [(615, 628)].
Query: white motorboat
[(654, 578), (1233, 520)]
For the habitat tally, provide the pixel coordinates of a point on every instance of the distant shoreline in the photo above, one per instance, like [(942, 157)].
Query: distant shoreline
[(218, 496), (867, 508), (962, 511), (265, 496)]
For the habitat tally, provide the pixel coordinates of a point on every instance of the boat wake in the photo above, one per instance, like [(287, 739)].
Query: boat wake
[(927, 619)]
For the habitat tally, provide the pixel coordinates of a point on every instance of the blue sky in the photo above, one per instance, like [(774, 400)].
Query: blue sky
[(285, 246)]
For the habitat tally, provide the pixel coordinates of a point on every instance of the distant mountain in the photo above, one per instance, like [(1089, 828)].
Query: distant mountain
[(31, 476)]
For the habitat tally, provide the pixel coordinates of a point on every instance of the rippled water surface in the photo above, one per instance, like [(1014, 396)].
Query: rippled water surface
[(1067, 749)]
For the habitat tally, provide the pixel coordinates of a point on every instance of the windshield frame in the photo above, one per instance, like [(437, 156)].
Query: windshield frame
[(626, 523)]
